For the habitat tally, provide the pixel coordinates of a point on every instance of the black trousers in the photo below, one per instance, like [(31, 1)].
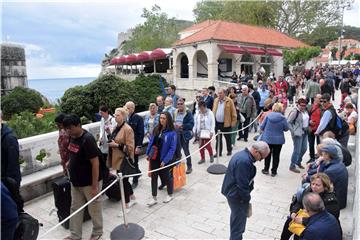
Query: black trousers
[(311, 140), (244, 133), (275, 150), (286, 234), (220, 126), (128, 191), (164, 176), (136, 163)]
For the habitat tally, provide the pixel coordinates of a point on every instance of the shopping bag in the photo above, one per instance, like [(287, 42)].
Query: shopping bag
[(179, 176)]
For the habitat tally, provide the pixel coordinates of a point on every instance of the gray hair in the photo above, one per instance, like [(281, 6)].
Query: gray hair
[(313, 202), (261, 146), (169, 99)]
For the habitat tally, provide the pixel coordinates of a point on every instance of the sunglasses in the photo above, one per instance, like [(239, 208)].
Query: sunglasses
[(323, 101)]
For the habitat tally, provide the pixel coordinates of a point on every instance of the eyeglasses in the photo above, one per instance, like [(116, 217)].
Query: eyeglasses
[(323, 101), (180, 103)]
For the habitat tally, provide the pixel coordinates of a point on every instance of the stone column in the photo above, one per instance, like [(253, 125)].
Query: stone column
[(212, 72), (191, 77), (154, 66)]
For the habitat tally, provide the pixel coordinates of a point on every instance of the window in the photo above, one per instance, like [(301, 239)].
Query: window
[(225, 65)]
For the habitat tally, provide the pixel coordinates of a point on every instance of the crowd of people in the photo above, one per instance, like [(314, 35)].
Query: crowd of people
[(259, 104)]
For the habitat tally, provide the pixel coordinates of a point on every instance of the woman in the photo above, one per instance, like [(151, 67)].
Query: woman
[(107, 125), (160, 152), (151, 120), (273, 129), (351, 117), (63, 141), (122, 144), (321, 184), (205, 128)]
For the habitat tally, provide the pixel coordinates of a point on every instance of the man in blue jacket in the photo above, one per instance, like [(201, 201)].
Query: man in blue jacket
[(184, 123), (137, 124), (239, 182), (321, 224)]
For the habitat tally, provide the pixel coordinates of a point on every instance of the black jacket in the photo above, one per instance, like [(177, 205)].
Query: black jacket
[(137, 124), (209, 102), (10, 166), (257, 98)]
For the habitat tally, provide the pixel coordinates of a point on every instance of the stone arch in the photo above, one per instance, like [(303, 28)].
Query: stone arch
[(182, 62), (200, 64)]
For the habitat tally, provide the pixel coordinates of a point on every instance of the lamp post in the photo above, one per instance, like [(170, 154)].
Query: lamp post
[(343, 5)]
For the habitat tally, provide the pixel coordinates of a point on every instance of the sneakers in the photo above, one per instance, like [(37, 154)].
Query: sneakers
[(229, 154), (189, 170), (201, 161), (273, 174), (215, 155), (152, 202), (168, 199), (266, 172), (130, 204), (294, 169), (211, 159)]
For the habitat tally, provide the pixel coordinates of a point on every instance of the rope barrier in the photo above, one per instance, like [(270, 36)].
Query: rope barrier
[(139, 174)]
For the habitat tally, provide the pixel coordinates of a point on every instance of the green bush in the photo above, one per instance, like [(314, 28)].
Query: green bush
[(19, 100), (111, 91), (26, 124)]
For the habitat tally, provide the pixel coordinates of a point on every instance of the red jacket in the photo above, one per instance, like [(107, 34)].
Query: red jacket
[(281, 86), (315, 116)]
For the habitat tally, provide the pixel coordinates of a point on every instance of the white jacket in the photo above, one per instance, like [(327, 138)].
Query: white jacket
[(103, 139), (209, 122)]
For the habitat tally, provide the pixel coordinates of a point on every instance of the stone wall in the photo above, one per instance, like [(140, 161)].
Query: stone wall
[(13, 67)]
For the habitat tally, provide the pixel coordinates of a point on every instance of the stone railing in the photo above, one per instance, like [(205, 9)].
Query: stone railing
[(356, 207), (41, 151)]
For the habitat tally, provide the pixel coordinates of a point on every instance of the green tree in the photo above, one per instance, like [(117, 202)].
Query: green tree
[(352, 32), (333, 52), (19, 100), (300, 55), (291, 17), (157, 31), (320, 36), (342, 53)]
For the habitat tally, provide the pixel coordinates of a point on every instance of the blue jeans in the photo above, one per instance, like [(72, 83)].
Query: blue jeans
[(237, 218), (300, 148)]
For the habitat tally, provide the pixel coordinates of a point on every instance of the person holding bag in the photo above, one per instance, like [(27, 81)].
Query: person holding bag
[(205, 128), (121, 148), (160, 152)]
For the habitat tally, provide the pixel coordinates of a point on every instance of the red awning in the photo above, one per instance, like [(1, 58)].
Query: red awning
[(113, 61), (273, 52), (157, 54), (121, 60), (132, 58), (143, 56), (254, 50), (233, 49)]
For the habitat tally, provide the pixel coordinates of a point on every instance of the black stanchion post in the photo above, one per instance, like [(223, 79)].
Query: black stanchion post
[(217, 168), (129, 231)]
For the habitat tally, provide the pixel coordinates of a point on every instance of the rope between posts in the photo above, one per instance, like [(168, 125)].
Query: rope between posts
[(81, 208), (139, 174)]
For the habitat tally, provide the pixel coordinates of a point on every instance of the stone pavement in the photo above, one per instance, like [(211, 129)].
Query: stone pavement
[(199, 210)]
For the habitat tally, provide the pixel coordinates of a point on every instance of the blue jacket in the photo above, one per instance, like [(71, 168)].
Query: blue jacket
[(137, 124), (273, 127), (168, 147), (188, 124), (322, 226), (209, 101), (10, 166), (146, 122), (239, 177), (338, 175)]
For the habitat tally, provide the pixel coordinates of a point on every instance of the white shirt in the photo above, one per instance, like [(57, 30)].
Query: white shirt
[(305, 116)]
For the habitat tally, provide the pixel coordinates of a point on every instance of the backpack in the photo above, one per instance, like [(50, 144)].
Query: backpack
[(347, 158), (27, 228), (338, 125)]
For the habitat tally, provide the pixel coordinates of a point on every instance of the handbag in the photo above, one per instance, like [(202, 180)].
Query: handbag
[(153, 153), (205, 134), (127, 166), (352, 129), (242, 118), (298, 228)]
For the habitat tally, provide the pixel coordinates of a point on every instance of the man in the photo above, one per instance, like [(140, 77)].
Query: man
[(184, 123), (10, 166), (328, 121), (312, 88), (137, 124), (321, 225), (298, 121), (255, 94), (247, 107), (238, 184), (160, 104), (212, 92), (325, 88), (63, 141), (264, 94), (208, 99), (315, 116), (171, 93), (225, 119), (85, 177), (169, 106)]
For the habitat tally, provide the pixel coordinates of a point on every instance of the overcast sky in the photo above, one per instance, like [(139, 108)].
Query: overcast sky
[(69, 38)]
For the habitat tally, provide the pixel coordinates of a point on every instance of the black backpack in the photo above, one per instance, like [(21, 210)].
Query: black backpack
[(27, 227), (338, 125), (347, 158)]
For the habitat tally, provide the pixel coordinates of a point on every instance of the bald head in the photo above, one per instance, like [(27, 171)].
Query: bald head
[(322, 82), (313, 203), (130, 107)]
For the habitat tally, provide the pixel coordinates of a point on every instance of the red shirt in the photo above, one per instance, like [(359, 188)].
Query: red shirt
[(315, 116)]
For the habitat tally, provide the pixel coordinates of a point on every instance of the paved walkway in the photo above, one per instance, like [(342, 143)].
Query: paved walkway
[(199, 210)]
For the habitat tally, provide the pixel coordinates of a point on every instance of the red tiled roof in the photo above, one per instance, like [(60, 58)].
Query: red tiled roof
[(344, 41), (348, 51), (237, 32)]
